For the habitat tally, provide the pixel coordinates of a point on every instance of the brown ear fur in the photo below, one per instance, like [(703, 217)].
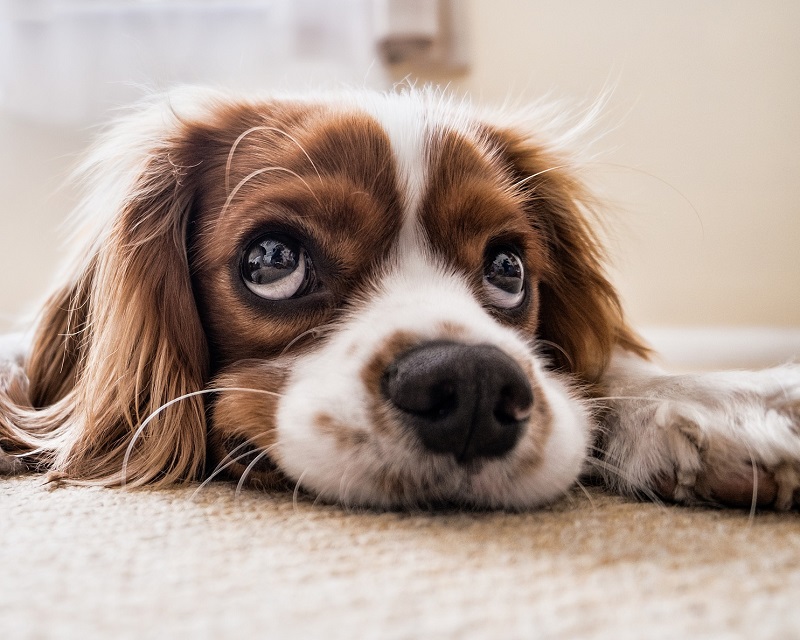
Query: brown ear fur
[(123, 338), (581, 319)]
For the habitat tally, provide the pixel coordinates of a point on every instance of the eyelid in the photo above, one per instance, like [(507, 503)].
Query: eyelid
[(502, 299)]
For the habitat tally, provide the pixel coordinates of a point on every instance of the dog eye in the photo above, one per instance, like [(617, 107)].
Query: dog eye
[(504, 279), (277, 268)]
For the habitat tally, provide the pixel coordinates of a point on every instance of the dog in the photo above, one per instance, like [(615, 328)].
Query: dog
[(387, 300)]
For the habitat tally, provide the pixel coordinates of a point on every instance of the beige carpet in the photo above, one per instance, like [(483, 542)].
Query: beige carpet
[(99, 563)]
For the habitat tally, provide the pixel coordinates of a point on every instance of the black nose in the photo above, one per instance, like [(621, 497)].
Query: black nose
[(471, 401)]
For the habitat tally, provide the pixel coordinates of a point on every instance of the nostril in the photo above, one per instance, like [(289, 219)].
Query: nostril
[(514, 405), (417, 395)]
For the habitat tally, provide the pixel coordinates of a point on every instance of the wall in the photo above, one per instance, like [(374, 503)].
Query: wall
[(35, 161), (701, 155)]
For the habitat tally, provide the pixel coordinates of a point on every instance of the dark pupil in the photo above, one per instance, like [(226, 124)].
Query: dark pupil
[(505, 272), (270, 260)]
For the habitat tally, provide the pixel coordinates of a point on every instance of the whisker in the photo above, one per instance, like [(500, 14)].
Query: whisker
[(601, 398), (754, 495), (243, 135), (568, 495), (519, 183), (658, 178), (32, 452), (316, 331), (249, 468), (607, 466), (296, 492), (137, 434), (228, 163), (299, 146), (586, 493), (226, 462), (259, 172), (559, 348), (346, 481), (754, 498)]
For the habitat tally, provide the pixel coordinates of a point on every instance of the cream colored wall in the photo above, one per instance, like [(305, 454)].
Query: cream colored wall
[(706, 109), (35, 161), (705, 161)]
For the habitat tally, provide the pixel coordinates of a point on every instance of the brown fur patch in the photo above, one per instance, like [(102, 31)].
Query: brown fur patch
[(345, 437), (247, 418), (114, 347), (372, 373)]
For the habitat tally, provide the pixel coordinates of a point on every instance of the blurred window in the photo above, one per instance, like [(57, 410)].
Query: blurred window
[(72, 60)]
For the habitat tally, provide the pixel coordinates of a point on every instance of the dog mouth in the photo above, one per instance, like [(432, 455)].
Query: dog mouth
[(435, 424), (417, 480)]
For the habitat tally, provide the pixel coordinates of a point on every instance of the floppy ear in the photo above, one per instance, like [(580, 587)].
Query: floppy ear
[(123, 337), (580, 318)]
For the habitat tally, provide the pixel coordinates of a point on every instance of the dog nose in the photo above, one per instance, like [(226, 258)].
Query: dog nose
[(471, 401)]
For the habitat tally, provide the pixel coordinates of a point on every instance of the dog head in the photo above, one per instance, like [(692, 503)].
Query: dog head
[(394, 296)]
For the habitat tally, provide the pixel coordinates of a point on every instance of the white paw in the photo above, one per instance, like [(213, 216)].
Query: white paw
[(730, 438)]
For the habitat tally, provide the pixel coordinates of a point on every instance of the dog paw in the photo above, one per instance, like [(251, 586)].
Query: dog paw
[(705, 465), (726, 438)]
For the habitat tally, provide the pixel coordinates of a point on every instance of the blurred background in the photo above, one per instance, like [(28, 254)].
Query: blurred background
[(699, 162)]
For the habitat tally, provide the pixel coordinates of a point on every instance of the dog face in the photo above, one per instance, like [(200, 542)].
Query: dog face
[(393, 295)]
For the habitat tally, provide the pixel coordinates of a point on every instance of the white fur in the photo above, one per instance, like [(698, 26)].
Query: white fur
[(692, 424), (417, 296)]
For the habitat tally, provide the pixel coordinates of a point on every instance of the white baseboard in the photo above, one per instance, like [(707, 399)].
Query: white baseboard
[(704, 348)]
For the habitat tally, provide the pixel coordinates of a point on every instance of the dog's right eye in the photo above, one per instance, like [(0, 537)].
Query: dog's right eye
[(504, 279), (277, 268)]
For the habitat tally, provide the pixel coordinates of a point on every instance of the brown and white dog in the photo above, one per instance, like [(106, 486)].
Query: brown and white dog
[(389, 300)]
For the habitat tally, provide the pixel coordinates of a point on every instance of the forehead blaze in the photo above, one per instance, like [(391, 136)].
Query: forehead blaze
[(471, 207)]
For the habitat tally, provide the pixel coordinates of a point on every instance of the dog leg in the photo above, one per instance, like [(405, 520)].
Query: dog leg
[(730, 438)]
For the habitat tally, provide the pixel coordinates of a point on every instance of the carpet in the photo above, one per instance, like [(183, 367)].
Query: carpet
[(87, 562)]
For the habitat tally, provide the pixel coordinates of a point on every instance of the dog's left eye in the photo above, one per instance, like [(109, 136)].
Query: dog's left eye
[(277, 268), (504, 279)]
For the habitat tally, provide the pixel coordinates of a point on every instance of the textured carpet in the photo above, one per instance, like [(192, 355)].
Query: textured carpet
[(100, 563)]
